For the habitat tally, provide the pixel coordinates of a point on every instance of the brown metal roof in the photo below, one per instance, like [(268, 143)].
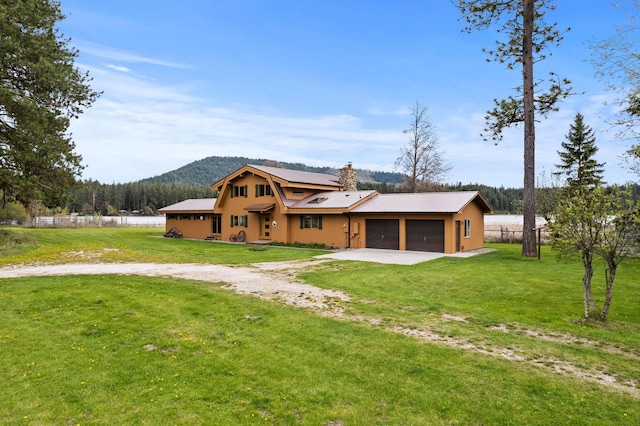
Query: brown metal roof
[(331, 200), (297, 176), (425, 202), (193, 205)]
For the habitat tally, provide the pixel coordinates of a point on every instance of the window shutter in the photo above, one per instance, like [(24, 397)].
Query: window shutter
[(319, 222), (246, 191), (246, 221), (301, 222), (231, 186), (257, 190), (232, 221)]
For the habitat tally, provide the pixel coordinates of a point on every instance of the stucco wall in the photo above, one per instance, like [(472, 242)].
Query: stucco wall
[(334, 232), (359, 228), (472, 212), (191, 228), (476, 240), (229, 206)]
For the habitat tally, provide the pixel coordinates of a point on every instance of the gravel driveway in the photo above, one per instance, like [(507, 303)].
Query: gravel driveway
[(272, 281)]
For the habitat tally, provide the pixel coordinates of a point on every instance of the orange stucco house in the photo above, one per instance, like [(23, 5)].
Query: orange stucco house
[(269, 204)]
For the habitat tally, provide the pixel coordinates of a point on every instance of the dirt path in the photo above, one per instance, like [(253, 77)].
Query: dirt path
[(277, 281), (272, 281)]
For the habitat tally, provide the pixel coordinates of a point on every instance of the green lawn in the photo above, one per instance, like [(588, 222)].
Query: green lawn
[(138, 350), (136, 245)]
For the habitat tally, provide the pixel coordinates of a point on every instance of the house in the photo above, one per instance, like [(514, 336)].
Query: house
[(269, 204)]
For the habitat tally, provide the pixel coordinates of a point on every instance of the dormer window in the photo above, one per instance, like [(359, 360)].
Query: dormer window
[(318, 200)]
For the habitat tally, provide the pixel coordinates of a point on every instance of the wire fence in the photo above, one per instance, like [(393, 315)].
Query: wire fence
[(510, 234), (98, 221), (493, 232)]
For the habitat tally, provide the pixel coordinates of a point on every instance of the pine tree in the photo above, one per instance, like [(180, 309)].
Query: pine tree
[(525, 39), (578, 162), (41, 91)]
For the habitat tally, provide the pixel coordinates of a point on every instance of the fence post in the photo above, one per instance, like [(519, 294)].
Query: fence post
[(539, 241)]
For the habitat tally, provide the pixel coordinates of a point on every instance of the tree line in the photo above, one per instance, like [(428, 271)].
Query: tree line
[(93, 197), (146, 198), (502, 200)]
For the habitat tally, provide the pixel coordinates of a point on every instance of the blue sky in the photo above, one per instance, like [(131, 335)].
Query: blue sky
[(318, 82)]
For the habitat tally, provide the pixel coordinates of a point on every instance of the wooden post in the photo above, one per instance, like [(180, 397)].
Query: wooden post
[(539, 229)]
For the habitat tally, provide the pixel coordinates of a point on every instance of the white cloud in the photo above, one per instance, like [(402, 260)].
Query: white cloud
[(104, 52), (380, 111), (117, 68), (140, 128)]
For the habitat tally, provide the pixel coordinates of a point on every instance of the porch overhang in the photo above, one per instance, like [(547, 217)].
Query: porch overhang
[(260, 207)]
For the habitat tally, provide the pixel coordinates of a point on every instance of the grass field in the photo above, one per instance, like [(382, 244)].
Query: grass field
[(492, 340), (67, 245)]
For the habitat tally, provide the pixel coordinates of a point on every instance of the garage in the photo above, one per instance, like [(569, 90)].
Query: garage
[(425, 235), (383, 234)]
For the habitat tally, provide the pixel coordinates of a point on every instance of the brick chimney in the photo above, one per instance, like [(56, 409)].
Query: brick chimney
[(347, 178)]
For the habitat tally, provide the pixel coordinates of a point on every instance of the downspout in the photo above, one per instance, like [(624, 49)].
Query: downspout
[(348, 233)]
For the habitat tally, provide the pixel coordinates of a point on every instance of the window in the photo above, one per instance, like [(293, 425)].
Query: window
[(309, 222), (298, 193), (185, 217), (239, 221), (239, 191), (198, 217), (467, 228), (172, 216), (263, 190)]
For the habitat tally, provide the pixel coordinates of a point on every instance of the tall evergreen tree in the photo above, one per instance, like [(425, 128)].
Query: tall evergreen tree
[(577, 157), (40, 92), (527, 38)]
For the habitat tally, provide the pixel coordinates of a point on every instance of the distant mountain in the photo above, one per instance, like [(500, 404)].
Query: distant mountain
[(211, 169)]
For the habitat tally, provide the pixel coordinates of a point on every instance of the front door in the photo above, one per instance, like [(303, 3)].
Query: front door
[(265, 226)]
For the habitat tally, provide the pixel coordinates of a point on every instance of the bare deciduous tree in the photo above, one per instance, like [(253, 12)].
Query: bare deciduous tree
[(421, 159), (617, 62)]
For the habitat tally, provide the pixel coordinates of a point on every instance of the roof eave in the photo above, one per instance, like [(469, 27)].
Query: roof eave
[(484, 206)]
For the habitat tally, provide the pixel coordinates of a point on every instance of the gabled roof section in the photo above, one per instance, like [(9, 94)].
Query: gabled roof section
[(333, 200), (424, 202), (300, 177), (193, 205), (219, 185), (284, 177)]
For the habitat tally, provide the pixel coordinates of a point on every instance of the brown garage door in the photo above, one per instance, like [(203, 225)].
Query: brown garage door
[(425, 235), (383, 233)]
